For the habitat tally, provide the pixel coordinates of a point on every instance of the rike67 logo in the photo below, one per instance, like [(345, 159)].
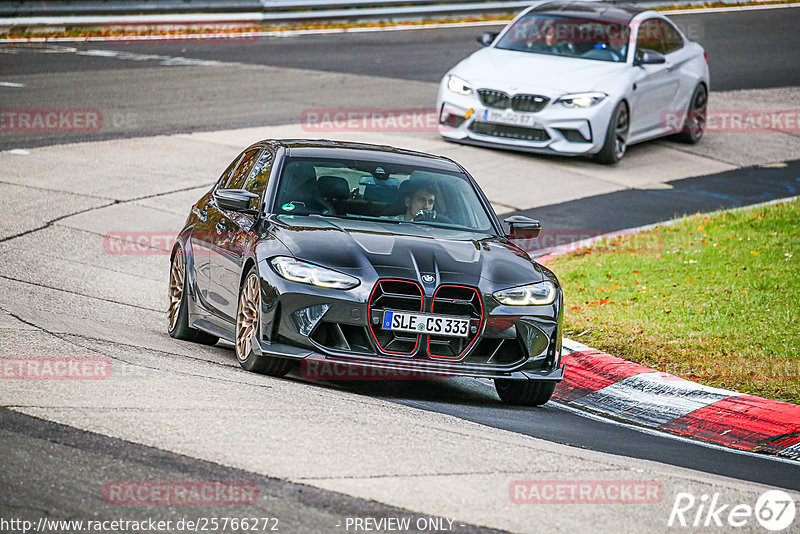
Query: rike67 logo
[(774, 510)]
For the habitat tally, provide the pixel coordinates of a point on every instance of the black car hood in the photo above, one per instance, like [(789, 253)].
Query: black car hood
[(407, 251)]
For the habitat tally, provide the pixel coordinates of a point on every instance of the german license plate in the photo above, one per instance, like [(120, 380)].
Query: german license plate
[(426, 323), (513, 118)]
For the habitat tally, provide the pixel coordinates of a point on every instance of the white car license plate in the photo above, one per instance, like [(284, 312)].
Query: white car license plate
[(514, 118), (425, 323)]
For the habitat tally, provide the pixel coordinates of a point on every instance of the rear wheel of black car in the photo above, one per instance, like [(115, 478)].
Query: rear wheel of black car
[(616, 136), (178, 310), (524, 392), (248, 321)]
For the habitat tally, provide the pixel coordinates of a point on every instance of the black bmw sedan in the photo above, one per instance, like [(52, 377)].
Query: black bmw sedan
[(369, 258)]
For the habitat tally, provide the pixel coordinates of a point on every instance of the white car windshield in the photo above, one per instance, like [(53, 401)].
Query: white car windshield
[(557, 35)]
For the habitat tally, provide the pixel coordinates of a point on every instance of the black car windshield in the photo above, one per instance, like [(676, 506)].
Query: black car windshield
[(557, 35), (387, 192)]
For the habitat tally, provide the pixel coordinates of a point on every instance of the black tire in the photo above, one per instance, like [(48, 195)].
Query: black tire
[(248, 319), (179, 328), (616, 136), (695, 123), (524, 392)]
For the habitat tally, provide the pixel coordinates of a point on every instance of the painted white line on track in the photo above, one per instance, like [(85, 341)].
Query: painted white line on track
[(11, 84), (333, 31)]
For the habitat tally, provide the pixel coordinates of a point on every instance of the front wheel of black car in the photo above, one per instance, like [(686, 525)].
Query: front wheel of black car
[(524, 392), (178, 311), (248, 320)]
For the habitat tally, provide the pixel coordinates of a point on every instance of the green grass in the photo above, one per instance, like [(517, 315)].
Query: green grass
[(713, 298)]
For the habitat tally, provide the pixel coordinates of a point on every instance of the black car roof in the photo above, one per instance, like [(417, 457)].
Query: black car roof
[(324, 148), (606, 11)]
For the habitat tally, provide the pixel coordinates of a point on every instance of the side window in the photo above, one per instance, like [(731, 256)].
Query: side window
[(227, 174), (238, 177), (672, 38), (650, 37), (259, 176)]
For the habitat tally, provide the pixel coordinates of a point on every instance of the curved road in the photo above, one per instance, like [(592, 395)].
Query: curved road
[(152, 88)]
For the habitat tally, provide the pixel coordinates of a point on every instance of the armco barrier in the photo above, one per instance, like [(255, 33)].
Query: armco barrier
[(69, 13)]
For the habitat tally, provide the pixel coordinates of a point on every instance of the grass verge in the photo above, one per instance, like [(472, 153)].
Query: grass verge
[(713, 298)]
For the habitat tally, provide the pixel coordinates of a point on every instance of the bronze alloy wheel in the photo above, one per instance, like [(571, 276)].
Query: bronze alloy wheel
[(176, 278), (247, 316)]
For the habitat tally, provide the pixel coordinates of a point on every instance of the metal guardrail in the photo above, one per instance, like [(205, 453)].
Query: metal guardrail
[(279, 11), (72, 13)]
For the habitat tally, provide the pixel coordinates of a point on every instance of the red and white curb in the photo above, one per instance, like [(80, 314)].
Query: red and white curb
[(596, 381)]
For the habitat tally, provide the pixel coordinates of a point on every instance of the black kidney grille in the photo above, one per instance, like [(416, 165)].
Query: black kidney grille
[(401, 295), (529, 103), (493, 99), (500, 100), (461, 301)]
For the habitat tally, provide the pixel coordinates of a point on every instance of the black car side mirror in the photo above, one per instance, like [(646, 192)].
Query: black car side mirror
[(521, 227), (487, 38), (649, 57), (235, 200)]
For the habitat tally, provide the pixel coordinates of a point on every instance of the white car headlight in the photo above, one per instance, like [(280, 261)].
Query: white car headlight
[(457, 85), (530, 295), (581, 100), (308, 273)]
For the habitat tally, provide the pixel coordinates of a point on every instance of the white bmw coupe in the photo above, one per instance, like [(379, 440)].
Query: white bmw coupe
[(577, 78)]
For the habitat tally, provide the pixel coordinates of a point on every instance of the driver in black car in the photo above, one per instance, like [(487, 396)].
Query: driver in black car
[(419, 200)]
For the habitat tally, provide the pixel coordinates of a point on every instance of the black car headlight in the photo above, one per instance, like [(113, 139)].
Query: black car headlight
[(529, 295), (308, 273)]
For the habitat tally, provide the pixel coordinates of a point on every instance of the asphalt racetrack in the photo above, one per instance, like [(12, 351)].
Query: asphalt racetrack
[(174, 114)]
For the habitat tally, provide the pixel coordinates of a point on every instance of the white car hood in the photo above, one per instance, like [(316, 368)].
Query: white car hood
[(516, 72)]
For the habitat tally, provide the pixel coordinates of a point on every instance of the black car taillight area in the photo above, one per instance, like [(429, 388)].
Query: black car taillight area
[(400, 295), (459, 301)]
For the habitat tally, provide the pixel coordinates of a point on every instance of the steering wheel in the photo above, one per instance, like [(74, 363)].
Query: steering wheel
[(425, 215)]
